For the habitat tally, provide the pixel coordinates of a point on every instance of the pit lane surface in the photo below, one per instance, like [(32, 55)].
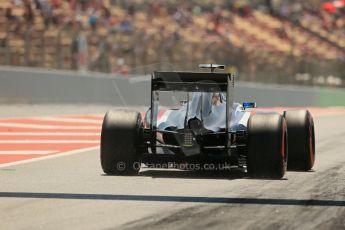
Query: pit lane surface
[(71, 191)]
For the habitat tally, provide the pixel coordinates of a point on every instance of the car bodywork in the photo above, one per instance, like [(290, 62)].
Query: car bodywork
[(207, 128), (203, 128)]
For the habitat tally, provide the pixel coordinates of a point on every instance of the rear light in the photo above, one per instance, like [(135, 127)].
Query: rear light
[(187, 138)]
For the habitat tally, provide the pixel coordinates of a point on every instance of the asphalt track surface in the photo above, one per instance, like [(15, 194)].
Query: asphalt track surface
[(70, 191)]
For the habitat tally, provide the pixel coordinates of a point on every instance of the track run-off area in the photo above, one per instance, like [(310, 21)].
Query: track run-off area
[(50, 178), (22, 139)]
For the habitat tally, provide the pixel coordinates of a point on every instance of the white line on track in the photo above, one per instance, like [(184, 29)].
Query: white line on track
[(36, 126), (46, 134), (27, 152), (49, 157), (49, 141)]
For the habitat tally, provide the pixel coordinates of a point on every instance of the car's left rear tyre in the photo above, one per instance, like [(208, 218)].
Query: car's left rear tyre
[(120, 142), (267, 146)]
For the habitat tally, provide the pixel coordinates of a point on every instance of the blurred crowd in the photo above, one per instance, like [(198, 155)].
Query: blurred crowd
[(92, 13), (163, 24), (328, 14), (101, 13)]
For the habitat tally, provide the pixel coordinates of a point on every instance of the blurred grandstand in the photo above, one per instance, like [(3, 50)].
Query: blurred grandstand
[(295, 42)]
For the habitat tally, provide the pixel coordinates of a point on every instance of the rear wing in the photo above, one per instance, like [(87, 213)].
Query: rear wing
[(191, 81)]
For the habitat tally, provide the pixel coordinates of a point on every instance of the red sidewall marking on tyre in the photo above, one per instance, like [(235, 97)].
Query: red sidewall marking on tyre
[(311, 159), (283, 148)]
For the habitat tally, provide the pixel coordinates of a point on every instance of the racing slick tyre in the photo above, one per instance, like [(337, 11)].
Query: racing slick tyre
[(267, 146), (120, 140), (301, 139)]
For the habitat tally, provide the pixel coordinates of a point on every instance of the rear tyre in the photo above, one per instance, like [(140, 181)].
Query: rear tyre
[(301, 132), (120, 141), (267, 146)]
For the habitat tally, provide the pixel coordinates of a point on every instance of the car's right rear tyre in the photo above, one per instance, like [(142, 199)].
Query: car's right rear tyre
[(267, 146), (120, 142), (301, 131)]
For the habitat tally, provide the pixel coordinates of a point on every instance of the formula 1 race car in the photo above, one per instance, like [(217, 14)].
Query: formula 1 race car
[(204, 129)]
